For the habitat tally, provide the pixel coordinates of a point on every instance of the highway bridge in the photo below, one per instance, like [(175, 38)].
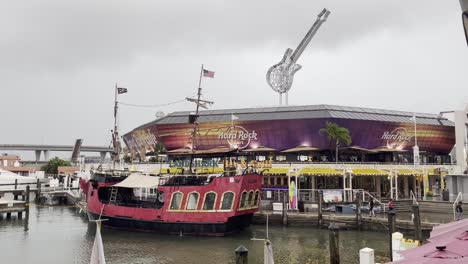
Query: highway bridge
[(38, 149)]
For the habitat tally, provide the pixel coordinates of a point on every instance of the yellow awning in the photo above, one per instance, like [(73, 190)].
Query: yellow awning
[(407, 172), (320, 172), (368, 172), (276, 171)]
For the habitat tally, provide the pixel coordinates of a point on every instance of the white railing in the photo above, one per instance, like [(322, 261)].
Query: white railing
[(413, 197), (459, 198), (383, 205)]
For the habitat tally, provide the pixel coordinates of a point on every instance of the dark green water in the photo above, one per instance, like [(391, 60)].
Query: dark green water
[(60, 235)]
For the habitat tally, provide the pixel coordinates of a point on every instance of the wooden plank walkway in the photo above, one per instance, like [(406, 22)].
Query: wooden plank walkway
[(347, 221)]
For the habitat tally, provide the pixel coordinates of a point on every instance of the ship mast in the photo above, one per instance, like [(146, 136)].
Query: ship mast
[(193, 118), (115, 134)]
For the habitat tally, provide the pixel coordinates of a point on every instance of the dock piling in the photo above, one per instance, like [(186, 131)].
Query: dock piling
[(391, 229), (26, 220), (417, 223), (242, 254), (285, 211), (320, 216), (334, 243), (15, 195), (358, 210)]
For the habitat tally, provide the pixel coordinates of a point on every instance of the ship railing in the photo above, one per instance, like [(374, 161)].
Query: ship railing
[(459, 198)]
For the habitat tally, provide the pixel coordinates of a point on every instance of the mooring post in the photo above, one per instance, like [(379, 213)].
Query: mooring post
[(285, 210), (38, 191), (242, 254), (358, 210), (391, 229), (334, 243), (320, 217), (417, 223), (15, 194), (26, 209)]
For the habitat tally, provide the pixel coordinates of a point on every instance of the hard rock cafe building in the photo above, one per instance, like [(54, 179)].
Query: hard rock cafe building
[(286, 141)]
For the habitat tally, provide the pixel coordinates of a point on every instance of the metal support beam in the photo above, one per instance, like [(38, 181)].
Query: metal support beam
[(103, 155), (46, 155), (38, 154)]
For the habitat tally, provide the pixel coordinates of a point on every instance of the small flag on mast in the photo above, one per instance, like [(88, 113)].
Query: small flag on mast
[(207, 73), (121, 90), (233, 117)]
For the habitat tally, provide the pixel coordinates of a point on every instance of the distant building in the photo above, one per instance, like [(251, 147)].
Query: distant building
[(12, 163)]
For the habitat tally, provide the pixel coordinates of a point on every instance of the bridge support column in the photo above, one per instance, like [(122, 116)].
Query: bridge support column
[(46, 155), (103, 155), (38, 154)]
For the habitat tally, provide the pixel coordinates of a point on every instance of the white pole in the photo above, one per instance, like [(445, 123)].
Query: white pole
[(391, 184), (289, 183), (396, 186), (297, 188)]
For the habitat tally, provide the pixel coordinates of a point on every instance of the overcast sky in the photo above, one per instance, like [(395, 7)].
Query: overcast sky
[(60, 59)]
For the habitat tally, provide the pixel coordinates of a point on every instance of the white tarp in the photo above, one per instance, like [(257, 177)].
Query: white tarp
[(8, 177), (139, 181)]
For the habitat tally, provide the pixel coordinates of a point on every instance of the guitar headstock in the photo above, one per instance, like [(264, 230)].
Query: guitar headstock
[(324, 15)]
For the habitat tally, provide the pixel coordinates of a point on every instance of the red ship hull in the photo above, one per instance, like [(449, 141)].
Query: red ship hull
[(220, 207)]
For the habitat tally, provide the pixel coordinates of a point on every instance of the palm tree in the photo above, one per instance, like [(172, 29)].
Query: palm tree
[(337, 134)]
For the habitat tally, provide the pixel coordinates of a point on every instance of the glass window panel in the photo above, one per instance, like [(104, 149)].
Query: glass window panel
[(176, 200), (228, 198), (192, 201), (249, 200), (255, 202), (242, 202), (209, 203)]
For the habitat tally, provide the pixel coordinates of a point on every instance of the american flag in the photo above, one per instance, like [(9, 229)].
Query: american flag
[(207, 73), (121, 90)]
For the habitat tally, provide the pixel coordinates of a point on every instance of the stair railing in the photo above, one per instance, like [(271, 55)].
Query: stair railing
[(459, 198), (413, 197), (383, 205)]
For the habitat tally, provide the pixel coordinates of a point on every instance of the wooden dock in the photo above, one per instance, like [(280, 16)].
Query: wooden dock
[(346, 221), (16, 206)]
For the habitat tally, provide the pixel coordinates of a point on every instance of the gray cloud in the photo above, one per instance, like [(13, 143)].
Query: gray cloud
[(61, 59)]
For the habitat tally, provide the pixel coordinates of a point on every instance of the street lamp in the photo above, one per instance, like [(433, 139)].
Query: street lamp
[(415, 148), (464, 7)]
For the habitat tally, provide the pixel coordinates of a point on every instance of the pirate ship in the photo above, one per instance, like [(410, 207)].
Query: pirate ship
[(185, 204)]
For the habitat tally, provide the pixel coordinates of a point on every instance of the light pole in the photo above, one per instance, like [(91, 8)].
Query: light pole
[(415, 148)]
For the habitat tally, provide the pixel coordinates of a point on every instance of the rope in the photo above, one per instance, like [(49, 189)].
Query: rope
[(156, 105)]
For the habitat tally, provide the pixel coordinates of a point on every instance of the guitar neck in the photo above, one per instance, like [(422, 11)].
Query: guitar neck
[(322, 17)]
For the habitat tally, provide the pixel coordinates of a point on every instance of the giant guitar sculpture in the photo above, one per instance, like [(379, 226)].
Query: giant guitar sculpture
[(280, 76)]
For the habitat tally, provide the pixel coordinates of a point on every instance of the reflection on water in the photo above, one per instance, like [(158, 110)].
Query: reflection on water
[(59, 235)]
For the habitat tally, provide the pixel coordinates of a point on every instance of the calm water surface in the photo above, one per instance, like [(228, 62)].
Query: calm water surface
[(60, 235)]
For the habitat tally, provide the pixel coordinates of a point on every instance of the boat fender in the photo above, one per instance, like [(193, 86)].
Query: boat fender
[(161, 197)]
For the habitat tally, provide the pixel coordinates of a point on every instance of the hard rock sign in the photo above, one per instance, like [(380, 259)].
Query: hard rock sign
[(280, 76)]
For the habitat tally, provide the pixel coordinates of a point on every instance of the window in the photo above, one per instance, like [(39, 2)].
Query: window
[(242, 202), (281, 158), (249, 200), (228, 198), (210, 200), (192, 201), (176, 201), (255, 202)]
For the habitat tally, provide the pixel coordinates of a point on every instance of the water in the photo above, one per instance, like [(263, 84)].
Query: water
[(60, 235)]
